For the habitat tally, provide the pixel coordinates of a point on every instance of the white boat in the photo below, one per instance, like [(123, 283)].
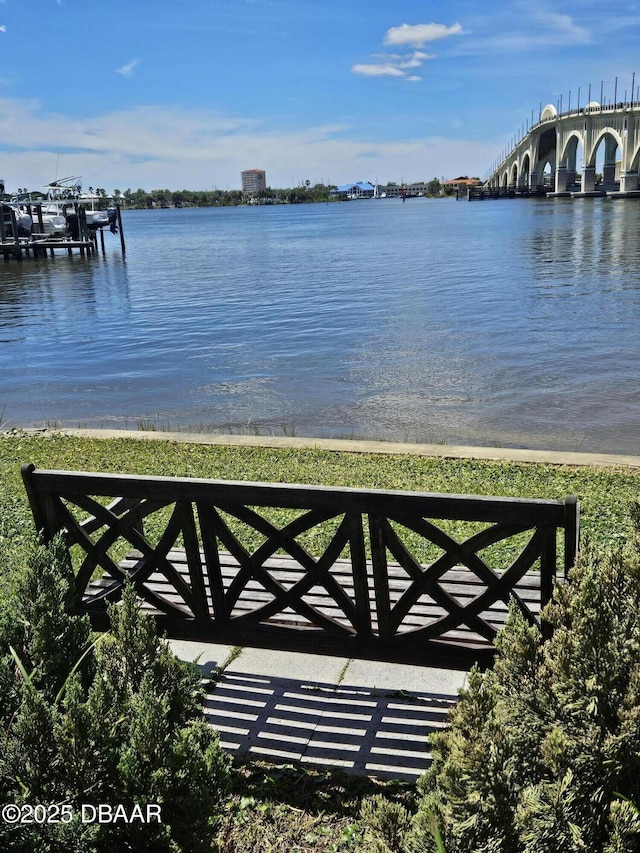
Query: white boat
[(67, 192), (96, 218), (54, 224), (11, 212)]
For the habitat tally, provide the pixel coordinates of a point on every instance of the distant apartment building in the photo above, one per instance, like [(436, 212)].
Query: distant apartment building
[(253, 181)]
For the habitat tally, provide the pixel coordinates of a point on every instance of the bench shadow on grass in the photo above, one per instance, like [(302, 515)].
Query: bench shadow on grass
[(379, 733)]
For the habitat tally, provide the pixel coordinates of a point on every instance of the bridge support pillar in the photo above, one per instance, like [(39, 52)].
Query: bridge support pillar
[(561, 179), (533, 180), (609, 176), (588, 179), (628, 182)]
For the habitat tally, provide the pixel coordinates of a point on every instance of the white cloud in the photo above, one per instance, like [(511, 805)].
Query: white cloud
[(417, 35), (416, 60), (614, 23), (195, 149), (565, 27), (527, 42), (392, 66), (3, 28), (128, 69), (540, 22), (378, 70), (395, 65), (538, 28)]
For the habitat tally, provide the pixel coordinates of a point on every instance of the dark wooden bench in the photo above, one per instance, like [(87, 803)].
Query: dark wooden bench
[(388, 575)]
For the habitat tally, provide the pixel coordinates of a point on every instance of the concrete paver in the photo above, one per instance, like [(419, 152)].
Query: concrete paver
[(361, 716), (416, 679), (206, 655), (289, 665)]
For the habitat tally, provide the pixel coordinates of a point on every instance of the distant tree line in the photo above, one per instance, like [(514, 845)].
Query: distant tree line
[(305, 193), (141, 198)]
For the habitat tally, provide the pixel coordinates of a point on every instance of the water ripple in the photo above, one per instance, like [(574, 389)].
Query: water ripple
[(496, 322)]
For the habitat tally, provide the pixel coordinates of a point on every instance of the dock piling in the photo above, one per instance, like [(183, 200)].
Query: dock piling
[(120, 229)]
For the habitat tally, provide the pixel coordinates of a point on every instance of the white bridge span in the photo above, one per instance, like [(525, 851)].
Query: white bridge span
[(546, 160)]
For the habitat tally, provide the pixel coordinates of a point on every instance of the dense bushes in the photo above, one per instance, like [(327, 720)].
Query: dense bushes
[(116, 722), (543, 752)]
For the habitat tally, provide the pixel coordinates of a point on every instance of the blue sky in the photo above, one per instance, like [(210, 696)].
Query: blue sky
[(184, 95)]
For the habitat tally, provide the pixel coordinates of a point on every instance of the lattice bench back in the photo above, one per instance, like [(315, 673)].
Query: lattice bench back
[(389, 575)]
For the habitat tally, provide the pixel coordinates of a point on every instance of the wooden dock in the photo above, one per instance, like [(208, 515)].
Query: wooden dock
[(23, 246), (39, 244)]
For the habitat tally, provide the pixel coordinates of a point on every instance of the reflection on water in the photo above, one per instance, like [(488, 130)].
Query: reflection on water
[(506, 322), (576, 242)]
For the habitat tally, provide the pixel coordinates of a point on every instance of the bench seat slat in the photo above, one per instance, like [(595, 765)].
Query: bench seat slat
[(459, 582), (229, 560)]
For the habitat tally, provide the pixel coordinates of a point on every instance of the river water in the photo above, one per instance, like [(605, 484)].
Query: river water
[(508, 322)]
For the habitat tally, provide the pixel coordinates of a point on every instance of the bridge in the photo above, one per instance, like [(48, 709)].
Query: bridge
[(545, 161)]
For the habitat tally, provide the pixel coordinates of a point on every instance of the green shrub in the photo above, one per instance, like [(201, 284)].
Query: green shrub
[(386, 824), (115, 721), (542, 753)]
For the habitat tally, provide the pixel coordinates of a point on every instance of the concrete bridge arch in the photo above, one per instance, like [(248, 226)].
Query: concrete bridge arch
[(568, 158), (612, 142), (570, 147)]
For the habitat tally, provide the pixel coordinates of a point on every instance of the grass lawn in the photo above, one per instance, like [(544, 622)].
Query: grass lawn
[(604, 493), (293, 809)]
